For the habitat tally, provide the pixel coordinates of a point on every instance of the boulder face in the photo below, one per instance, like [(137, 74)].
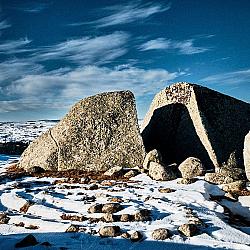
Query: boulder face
[(98, 133), (246, 154), (190, 120)]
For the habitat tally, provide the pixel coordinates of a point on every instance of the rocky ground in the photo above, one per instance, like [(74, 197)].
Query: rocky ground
[(89, 211)]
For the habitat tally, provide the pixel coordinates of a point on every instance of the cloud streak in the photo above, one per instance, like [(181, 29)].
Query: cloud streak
[(185, 47), (14, 46), (87, 50), (229, 78), (4, 25), (125, 14)]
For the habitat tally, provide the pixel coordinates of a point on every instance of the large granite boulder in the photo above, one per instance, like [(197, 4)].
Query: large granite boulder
[(190, 120), (98, 133), (246, 154)]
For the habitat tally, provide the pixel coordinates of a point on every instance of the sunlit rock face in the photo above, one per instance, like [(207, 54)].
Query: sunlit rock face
[(98, 133), (246, 154), (190, 120)]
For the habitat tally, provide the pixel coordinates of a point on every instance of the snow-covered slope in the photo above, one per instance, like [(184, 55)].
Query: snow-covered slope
[(23, 131), (169, 210)]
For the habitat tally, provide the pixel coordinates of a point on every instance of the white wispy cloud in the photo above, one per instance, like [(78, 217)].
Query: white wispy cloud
[(14, 69), (126, 13), (4, 25), (87, 50), (65, 86), (229, 78), (14, 46), (185, 47)]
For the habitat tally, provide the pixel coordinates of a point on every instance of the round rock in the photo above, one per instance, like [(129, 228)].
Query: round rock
[(160, 234), (160, 173), (191, 168), (109, 231)]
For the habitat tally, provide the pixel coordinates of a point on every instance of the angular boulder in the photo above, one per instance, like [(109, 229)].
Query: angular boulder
[(98, 133), (190, 120), (246, 155)]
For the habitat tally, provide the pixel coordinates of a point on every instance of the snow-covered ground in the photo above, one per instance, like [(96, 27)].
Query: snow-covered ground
[(23, 131), (169, 210)]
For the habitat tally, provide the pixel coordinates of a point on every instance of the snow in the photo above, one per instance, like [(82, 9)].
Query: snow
[(23, 131), (169, 210)]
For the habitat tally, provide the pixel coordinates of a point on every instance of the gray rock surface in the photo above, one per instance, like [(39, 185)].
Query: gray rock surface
[(217, 178), (136, 236), (154, 156), (191, 167), (190, 120), (246, 155), (234, 186), (98, 133), (109, 231), (161, 173), (115, 171), (160, 234), (188, 230)]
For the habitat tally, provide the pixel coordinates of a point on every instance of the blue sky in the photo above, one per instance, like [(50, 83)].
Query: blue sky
[(54, 53)]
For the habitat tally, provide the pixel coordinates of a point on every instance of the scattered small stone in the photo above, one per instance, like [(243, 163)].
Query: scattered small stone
[(101, 195), (32, 227), (125, 235), (27, 241), (115, 171), (20, 224), (108, 183), (188, 230), (109, 217), (191, 167), (93, 187), (126, 218), (115, 199), (26, 206), (160, 234), (87, 199), (109, 231), (85, 180), (73, 217), (94, 220), (148, 198), (142, 215), (131, 173), (136, 236), (166, 190), (111, 208), (195, 220), (72, 229), (97, 208), (152, 156), (4, 219), (186, 181)]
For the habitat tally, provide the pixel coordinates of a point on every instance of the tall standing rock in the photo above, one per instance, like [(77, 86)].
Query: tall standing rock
[(246, 154), (98, 133), (190, 120)]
